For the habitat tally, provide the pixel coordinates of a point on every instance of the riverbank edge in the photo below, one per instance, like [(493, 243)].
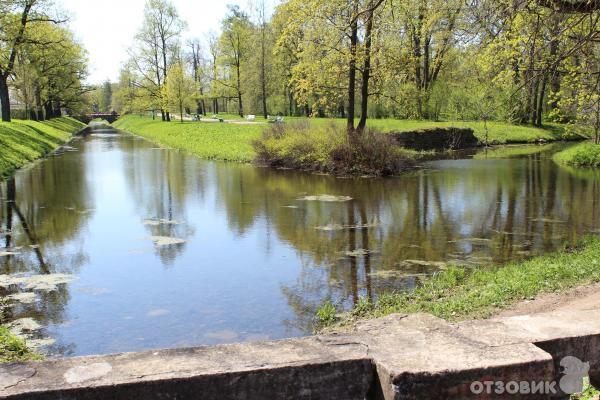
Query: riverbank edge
[(247, 154), (584, 155), (461, 293), (24, 143)]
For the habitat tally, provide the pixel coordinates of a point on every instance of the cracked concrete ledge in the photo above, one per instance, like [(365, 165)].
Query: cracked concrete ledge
[(397, 357)]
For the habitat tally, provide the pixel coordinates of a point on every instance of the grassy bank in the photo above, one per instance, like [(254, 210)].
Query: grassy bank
[(25, 141), (14, 349), (232, 142), (462, 293), (210, 140), (583, 155)]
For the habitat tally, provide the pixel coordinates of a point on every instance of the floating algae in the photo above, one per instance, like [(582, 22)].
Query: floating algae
[(166, 241), (157, 222), (39, 343), (20, 326), (394, 274), (327, 198), (23, 297), (47, 283), (338, 227), (358, 253), (423, 263), (157, 313)]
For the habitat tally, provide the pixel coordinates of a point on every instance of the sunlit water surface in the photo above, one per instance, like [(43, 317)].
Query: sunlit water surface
[(161, 249)]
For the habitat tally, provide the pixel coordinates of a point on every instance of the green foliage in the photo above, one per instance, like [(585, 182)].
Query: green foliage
[(219, 141), (583, 155), (13, 349), (462, 293), (326, 148), (326, 314), (588, 394), (25, 141)]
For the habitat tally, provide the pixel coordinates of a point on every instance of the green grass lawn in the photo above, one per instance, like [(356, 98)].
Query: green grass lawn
[(463, 293), (231, 142), (210, 140), (25, 141), (498, 132), (583, 155)]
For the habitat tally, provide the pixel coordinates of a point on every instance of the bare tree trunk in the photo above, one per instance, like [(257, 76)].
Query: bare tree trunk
[(540, 103), (239, 92), (4, 97), (366, 74), (263, 72), (352, 75)]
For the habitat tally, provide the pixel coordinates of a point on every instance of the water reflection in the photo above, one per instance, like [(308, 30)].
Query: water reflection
[(171, 251)]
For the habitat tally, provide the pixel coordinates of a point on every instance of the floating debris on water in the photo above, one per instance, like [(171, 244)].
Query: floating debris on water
[(48, 283), (471, 240), (424, 263), (39, 343), (337, 227), (328, 198), (166, 241), (294, 207), (23, 297), (20, 326), (358, 253), (157, 313), (157, 222), (388, 274), (549, 221)]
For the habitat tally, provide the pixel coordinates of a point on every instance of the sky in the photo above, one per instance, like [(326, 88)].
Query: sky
[(107, 28)]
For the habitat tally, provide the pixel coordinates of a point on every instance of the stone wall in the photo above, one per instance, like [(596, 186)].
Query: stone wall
[(397, 357), (437, 139)]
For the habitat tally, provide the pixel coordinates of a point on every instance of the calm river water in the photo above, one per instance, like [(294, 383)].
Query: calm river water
[(118, 245)]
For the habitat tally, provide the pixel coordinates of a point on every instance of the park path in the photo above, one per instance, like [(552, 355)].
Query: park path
[(577, 299)]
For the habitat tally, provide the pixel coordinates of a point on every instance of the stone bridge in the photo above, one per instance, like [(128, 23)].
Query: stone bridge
[(397, 357), (109, 117)]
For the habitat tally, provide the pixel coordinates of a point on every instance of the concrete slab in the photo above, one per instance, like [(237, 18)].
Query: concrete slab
[(397, 357), (306, 368)]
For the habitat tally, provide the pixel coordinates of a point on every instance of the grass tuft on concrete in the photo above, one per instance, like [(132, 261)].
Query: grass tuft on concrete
[(13, 349), (464, 294), (24, 141), (583, 155)]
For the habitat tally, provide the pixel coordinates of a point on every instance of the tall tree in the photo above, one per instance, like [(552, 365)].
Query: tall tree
[(158, 41), (234, 44), (15, 17), (179, 89)]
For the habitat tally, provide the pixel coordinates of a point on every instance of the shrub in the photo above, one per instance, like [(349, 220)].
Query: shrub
[(327, 148), (583, 155)]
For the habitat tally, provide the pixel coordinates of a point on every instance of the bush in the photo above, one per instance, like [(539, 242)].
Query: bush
[(583, 155), (327, 148)]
